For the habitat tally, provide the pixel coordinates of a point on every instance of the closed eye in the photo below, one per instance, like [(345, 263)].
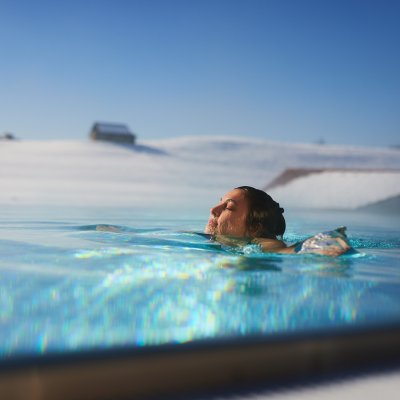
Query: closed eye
[(229, 205)]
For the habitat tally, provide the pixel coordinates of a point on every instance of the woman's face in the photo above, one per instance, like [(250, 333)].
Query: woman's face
[(229, 216)]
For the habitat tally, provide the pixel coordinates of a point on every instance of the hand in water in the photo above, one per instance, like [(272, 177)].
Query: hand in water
[(108, 228), (332, 243)]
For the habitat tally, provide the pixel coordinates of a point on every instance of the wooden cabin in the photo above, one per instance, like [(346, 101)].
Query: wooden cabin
[(117, 133)]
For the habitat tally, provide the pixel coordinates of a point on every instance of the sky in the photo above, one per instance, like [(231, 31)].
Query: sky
[(286, 70)]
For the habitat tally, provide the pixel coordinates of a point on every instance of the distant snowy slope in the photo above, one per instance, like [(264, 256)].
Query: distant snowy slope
[(339, 189), (188, 173)]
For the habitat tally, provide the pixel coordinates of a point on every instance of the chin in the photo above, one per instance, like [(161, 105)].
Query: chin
[(211, 227), (210, 231), (207, 229)]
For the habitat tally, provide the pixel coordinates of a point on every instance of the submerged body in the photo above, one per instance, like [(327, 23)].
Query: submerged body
[(247, 215)]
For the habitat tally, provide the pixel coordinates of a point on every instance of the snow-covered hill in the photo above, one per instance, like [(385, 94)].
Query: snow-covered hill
[(340, 189), (184, 173)]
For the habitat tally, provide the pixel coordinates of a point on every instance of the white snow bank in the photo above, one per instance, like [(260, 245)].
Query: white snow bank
[(338, 189), (185, 173)]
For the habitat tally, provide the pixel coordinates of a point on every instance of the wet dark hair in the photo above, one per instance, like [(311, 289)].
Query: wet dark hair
[(265, 218)]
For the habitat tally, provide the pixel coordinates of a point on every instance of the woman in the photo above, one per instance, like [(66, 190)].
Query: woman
[(249, 215)]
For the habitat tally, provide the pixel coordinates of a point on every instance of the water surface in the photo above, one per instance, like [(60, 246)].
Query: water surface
[(68, 286)]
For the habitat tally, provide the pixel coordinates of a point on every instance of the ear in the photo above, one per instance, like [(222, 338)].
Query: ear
[(254, 231)]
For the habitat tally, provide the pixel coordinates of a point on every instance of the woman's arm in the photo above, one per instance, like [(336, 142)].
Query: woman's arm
[(333, 244)]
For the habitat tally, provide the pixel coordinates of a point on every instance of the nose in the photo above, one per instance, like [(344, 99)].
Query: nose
[(216, 210)]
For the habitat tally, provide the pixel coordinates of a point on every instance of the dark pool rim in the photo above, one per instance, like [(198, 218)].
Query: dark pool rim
[(201, 365)]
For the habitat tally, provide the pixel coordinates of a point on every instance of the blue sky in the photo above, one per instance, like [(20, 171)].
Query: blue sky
[(294, 70)]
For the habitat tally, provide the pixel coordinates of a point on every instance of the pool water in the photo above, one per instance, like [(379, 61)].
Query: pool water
[(68, 285)]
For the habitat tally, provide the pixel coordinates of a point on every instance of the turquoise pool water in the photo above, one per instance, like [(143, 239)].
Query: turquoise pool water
[(66, 286)]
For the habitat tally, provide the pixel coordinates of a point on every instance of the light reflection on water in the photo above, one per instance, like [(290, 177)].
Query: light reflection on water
[(68, 286)]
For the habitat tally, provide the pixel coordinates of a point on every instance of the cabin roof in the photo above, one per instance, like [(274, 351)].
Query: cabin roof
[(103, 127)]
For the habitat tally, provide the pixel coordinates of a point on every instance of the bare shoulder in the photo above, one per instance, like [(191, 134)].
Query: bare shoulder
[(271, 245)]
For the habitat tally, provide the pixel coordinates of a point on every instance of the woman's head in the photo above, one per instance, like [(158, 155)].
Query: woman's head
[(246, 211), (265, 216)]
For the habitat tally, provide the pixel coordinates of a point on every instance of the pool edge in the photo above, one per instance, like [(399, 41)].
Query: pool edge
[(204, 365)]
